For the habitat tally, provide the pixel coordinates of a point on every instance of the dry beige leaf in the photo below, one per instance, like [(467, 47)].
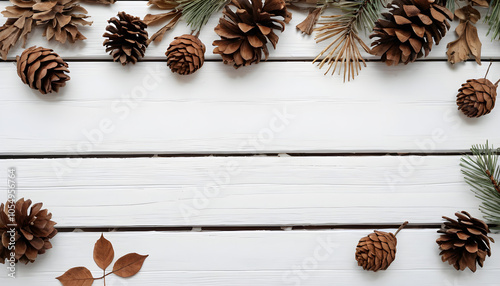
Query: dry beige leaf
[(482, 3), (129, 264), (468, 44), (150, 19), (307, 26), (103, 253), (77, 276)]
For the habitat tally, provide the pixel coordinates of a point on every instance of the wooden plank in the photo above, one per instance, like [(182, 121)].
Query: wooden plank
[(275, 107), (291, 45), (245, 191), (255, 258)]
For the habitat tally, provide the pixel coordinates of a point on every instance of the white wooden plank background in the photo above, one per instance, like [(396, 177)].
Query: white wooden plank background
[(256, 258), (292, 45), (243, 191), (220, 110), (224, 111)]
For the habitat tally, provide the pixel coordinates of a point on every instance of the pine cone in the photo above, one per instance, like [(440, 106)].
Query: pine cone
[(377, 250), (244, 33), (61, 18), (186, 54), (127, 38), (18, 25), (42, 69), (409, 27), (477, 97), (464, 242), (32, 232)]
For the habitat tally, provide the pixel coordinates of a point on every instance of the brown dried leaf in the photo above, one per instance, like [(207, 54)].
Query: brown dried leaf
[(158, 36), (307, 26), (105, 2), (482, 3), (468, 43), (103, 253), (151, 19), (129, 264), (467, 13), (473, 41), (77, 276)]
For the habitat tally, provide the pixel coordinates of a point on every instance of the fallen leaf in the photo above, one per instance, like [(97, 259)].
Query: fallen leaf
[(473, 41), (129, 264), (151, 19), (468, 44), (308, 24), (103, 253), (77, 276)]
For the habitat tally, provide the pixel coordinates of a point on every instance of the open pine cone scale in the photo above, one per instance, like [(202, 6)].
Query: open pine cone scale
[(464, 242)]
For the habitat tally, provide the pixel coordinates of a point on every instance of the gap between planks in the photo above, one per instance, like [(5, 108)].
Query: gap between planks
[(182, 155)]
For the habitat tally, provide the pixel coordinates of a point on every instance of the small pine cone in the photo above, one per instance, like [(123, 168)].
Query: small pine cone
[(477, 97), (464, 241), (186, 54), (31, 235), (126, 38), (377, 250), (42, 69), (409, 27), (245, 32)]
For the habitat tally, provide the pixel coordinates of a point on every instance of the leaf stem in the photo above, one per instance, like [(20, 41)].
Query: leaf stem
[(401, 227), (488, 70), (104, 276)]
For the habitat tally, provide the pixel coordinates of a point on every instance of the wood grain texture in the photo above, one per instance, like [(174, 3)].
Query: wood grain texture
[(292, 45), (245, 191), (272, 107), (256, 258)]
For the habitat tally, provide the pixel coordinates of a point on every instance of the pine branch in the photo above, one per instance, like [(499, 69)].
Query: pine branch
[(197, 12), (493, 20), (343, 52), (482, 173)]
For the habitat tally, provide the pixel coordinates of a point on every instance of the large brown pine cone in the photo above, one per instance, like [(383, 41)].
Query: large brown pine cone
[(61, 18), (410, 27), (18, 25), (186, 54), (126, 38), (42, 69), (376, 251), (477, 97), (245, 32), (31, 234), (464, 242)]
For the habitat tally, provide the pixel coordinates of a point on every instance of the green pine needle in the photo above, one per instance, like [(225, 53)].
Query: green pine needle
[(482, 173), (197, 12), (493, 19)]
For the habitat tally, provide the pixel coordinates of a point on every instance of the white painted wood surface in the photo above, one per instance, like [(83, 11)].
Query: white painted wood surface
[(245, 191), (292, 45), (272, 107), (104, 111), (257, 258)]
